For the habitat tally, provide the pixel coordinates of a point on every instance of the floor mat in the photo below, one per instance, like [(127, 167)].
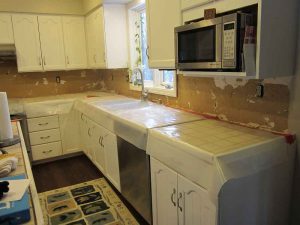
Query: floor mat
[(89, 203)]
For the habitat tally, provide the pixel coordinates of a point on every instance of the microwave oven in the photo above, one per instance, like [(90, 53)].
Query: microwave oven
[(215, 44)]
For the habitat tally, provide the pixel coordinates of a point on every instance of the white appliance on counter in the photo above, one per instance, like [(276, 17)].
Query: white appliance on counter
[(210, 172)]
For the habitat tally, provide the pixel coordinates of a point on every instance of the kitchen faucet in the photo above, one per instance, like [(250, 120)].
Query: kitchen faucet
[(144, 94)]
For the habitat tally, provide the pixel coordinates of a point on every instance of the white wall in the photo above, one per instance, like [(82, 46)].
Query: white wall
[(294, 126)]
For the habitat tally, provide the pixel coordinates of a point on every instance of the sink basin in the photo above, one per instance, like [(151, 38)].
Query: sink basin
[(122, 105)]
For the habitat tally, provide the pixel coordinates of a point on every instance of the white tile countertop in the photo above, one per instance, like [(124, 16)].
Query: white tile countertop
[(130, 119), (211, 152), (48, 104)]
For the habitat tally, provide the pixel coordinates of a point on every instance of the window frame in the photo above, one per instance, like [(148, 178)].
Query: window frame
[(157, 86)]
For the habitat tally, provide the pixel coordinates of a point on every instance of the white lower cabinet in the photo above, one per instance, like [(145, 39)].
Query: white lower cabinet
[(111, 158), (69, 130), (176, 200), (100, 145)]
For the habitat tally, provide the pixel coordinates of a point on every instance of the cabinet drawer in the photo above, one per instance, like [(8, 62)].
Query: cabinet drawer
[(45, 136), (43, 123), (45, 151)]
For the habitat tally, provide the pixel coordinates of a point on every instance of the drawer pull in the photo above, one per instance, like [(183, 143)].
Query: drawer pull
[(43, 124), (46, 152), (44, 138)]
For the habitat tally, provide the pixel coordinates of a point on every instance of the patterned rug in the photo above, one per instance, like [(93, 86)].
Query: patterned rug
[(89, 203)]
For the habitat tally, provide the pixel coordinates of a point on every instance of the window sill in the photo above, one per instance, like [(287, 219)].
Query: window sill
[(153, 90), (162, 91)]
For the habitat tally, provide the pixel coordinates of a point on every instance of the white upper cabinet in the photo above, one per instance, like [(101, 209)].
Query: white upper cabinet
[(52, 42), (27, 43), (6, 29), (162, 18), (94, 24), (106, 35), (75, 43)]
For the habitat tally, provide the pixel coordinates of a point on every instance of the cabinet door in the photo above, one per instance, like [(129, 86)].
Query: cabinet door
[(70, 131), (83, 127), (194, 206), (98, 147), (164, 194), (27, 41), (52, 42), (75, 43), (187, 4), (90, 137), (6, 29), (95, 39), (162, 18), (111, 158)]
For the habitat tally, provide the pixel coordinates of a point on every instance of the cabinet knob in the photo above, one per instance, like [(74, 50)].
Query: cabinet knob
[(68, 62), (172, 197), (44, 60), (39, 61), (95, 58)]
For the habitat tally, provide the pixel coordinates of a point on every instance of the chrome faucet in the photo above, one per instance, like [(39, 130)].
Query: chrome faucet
[(144, 94)]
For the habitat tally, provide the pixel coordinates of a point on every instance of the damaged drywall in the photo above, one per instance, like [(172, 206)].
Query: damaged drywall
[(18, 85), (228, 99)]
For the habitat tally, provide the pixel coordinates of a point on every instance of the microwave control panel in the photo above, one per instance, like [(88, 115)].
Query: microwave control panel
[(229, 43)]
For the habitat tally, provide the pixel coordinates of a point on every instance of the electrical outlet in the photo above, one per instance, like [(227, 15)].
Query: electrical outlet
[(58, 79), (260, 90)]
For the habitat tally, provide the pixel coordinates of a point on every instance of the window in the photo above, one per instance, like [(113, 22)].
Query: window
[(156, 81)]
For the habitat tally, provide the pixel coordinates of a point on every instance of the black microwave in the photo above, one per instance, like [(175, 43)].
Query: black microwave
[(215, 44)]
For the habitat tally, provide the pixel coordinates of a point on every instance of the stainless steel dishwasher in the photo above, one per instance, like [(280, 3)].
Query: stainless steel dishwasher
[(134, 165)]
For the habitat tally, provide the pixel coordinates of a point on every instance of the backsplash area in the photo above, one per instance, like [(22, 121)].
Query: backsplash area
[(228, 99), (18, 85)]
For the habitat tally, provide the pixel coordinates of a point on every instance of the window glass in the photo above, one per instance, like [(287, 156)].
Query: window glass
[(148, 73)]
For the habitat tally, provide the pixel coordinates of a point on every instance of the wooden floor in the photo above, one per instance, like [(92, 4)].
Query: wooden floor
[(63, 173), (67, 172)]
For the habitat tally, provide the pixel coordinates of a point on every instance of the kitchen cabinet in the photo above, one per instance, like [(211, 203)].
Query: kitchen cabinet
[(162, 18), (106, 36), (176, 200), (187, 4), (111, 158), (75, 42), (52, 42), (70, 132), (6, 29), (45, 137), (95, 39), (27, 41), (100, 145)]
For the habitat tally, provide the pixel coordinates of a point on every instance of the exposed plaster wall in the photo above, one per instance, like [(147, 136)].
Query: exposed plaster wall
[(18, 85), (228, 99), (74, 7)]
